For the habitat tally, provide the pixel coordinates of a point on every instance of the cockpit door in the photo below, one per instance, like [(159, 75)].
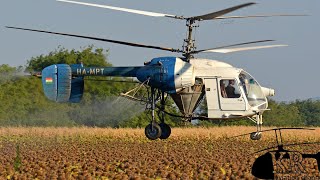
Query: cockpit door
[(231, 96), (212, 95)]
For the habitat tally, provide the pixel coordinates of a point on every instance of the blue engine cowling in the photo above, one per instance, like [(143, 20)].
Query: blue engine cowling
[(169, 74), (59, 85)]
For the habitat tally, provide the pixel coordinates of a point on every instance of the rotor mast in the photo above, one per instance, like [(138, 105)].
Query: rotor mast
[(189, 46)]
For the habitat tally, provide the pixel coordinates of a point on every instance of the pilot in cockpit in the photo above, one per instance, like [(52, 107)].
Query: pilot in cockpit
[(230, 90)]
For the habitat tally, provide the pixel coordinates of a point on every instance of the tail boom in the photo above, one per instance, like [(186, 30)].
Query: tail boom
[(105, 71)]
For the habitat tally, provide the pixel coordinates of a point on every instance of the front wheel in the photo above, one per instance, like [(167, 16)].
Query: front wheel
[(255, 136), (153, 131)]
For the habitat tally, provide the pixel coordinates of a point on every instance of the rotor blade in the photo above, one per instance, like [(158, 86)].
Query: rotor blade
[(219, 13), (101, 39), (233, 45), (259, 16), (231, 50), (146, 13)]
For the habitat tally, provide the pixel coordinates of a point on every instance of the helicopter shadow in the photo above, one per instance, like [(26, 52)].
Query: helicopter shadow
[(281, 163)]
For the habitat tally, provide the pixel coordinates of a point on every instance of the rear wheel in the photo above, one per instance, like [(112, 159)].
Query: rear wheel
[(165, 130), (153, 131)]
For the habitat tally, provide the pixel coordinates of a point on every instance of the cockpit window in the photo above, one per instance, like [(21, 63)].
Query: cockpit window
[(229, 88), (252, 90)]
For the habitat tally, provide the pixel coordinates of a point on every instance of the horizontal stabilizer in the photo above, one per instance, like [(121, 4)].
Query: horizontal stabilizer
[(77, 88)]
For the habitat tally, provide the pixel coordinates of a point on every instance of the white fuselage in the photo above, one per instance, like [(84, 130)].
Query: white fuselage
[(214, 75)]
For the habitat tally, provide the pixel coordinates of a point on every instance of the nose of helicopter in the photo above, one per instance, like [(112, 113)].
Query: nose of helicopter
[(268, 91)]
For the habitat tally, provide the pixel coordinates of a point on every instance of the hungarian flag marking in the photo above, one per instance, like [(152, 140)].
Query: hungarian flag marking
[(49, 80)]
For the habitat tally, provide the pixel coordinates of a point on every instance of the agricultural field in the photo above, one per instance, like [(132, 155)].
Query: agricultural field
[(103, 153)]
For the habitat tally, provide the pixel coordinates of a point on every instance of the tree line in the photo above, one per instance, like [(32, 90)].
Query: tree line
[(22, 101)]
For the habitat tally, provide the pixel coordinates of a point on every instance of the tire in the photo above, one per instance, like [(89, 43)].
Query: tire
[(165, 130), (255, 136), (152, 131)]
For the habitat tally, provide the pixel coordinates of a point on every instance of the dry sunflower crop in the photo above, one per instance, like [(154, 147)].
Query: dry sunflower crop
[(104, 153)]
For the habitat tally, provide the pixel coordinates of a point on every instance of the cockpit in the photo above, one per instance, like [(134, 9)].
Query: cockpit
[(252, 91)]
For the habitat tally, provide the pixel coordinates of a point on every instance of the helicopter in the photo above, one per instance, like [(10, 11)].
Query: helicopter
[(231, 93)]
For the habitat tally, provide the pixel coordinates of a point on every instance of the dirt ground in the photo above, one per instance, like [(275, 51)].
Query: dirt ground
[(189, 153)]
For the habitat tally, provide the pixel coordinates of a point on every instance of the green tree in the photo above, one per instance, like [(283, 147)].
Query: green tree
[(5, 68), (8, 73), (23, 103), (282, 114), (310, 111), (89, 56)]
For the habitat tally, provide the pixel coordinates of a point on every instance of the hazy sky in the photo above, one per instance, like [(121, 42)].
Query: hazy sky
[(292, 71)]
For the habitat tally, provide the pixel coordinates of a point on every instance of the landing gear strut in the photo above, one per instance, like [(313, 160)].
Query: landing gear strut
[(165, 128), (154, 131), (257, 135)]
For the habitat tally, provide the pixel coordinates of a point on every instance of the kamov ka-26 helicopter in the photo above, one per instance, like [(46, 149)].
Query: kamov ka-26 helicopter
[(231, 93)]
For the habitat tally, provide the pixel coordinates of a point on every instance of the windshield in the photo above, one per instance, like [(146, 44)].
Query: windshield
[(252, 91)]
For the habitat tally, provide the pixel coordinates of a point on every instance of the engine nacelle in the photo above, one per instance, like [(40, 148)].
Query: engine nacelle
[(170, 74), (59, 85)]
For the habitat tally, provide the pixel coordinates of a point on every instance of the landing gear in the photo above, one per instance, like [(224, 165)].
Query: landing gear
[(165, 131), (165, 128), (154, 131), (258, 134), (255, 136)]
